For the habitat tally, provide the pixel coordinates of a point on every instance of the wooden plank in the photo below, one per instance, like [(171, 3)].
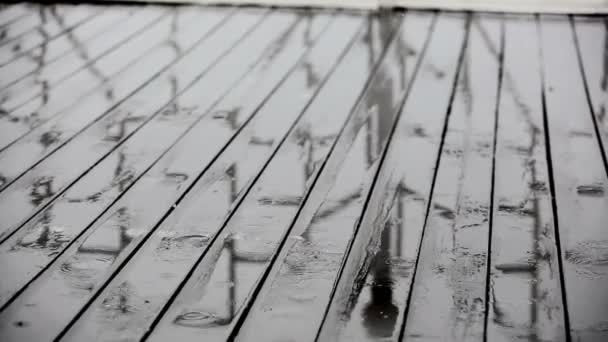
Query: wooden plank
[(370, 299), (216, 187), (70, 53), (592, 42), (140, 152), (323, 60), (95, 79), (63, 169), (297, 283), (53, 25), (449, 281), (40, 46), (525, 295), (579, 182)]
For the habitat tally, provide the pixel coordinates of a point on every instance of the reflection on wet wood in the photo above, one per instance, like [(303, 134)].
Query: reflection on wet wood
[(450, 273), (264, 174), (580, 180), (370, 298), (525, 296)]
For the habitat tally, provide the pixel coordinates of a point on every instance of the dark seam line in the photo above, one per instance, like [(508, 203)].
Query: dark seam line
[(57, 35), (386, 147), (501, 71), (552, 184), (75, 239), (116, 147), (443, 135), (140, 245), (244, 193), (598, 133), (113, 107)]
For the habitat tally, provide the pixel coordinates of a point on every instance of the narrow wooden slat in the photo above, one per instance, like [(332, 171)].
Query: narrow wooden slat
[(41, 46), (309, 81), (63, 169), (305, 267), (98, 78), (131, 159), (371, 295), (450, 276), (215, 189), (592, 42), (579, 182), (54, 25), (524, 291)]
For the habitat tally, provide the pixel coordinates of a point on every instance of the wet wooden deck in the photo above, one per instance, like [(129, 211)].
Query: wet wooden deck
[(188, 173)]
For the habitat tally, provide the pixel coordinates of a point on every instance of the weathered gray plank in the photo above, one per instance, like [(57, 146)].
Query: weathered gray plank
[(448, 292), (580, 181), (370, 298), (525, 295)]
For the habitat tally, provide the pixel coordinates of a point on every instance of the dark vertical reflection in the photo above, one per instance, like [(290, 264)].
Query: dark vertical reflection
[(380, 313)]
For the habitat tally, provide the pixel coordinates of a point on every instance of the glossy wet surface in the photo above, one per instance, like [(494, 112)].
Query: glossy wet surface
[(217, 173)]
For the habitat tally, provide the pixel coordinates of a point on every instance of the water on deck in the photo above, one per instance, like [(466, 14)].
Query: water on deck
[(252, 174)]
